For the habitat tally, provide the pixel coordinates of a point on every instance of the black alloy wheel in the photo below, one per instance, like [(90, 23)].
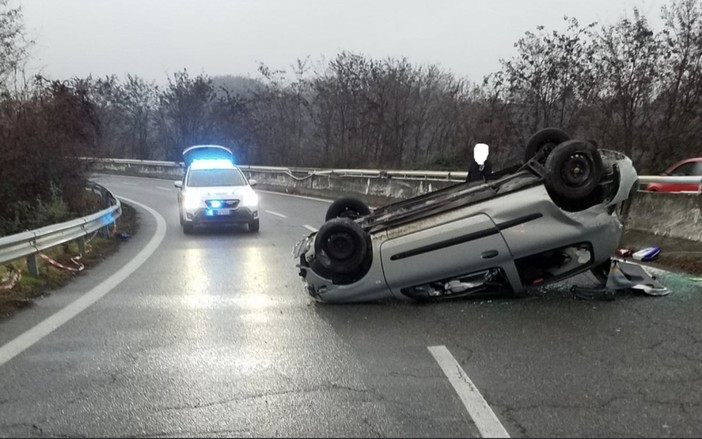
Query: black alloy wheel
[(573, 170), (347, 207), (543, 142)]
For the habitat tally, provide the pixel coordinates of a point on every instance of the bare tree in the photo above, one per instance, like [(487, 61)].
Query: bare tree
[(627, 69), (185, 113)]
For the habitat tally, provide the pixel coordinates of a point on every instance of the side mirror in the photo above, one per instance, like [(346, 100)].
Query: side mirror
[(178, 184), (253, 182)]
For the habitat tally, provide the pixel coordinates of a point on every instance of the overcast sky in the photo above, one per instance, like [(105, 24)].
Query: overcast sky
[(154, 38)]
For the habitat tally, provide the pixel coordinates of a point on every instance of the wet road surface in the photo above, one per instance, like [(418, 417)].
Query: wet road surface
[(213, 336)]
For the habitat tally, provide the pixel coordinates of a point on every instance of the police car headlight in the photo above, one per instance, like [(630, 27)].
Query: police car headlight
[(250, 199), (191, 200)]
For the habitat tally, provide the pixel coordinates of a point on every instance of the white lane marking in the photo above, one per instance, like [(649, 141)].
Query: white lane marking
[(276, 214), (163, 188), (478, 409), (28, 338), (296, 196), (310, 228), (128, 183)]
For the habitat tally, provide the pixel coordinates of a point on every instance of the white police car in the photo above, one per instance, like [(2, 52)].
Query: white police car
[(214, 191)]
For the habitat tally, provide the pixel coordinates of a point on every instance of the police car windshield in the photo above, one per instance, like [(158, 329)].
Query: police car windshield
[(215, 177)]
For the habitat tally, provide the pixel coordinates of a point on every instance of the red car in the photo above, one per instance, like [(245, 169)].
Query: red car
[(683, 168)]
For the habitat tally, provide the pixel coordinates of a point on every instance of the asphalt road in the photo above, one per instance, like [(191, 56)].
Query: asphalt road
[(212, 335)]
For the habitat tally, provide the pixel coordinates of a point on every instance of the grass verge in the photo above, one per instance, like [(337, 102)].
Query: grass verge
[(29, 288)]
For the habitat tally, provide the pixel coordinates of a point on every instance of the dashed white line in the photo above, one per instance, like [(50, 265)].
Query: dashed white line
[(276, 214), (484, 418), (296, 196), (163, 188), (25, 340), (310, 228), (127, 183)]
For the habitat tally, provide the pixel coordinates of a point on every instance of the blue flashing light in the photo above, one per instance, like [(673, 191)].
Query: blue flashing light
[(209, 212), (215, 204), (212, 164)]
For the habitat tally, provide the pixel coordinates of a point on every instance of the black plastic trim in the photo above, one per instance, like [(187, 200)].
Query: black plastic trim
[(448, 243), (518, 221)]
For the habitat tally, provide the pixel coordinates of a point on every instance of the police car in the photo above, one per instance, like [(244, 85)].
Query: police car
[(214, 191)]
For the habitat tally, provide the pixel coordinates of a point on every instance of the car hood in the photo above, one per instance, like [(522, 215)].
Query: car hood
[(220, 191)]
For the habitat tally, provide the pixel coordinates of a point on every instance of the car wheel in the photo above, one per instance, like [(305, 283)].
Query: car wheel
[(573, 170), (254, 226), (188, 228), (544, 141), (347, 207), (341, 246)]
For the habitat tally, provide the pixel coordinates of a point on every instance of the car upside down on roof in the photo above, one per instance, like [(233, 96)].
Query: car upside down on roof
[(556, 216)]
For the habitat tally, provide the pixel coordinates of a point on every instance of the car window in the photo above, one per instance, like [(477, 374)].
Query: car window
[(684, 169), (697, 169), (215, 177)]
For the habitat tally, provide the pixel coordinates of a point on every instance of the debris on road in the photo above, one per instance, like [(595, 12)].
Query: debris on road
[(647, 254)]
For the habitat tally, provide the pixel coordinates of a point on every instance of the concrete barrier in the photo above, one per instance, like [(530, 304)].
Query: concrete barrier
[(139, 168), (373, 191), (674, 215)]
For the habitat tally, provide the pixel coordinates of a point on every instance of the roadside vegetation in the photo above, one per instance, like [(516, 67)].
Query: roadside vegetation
[(18, 289), (625, 85)]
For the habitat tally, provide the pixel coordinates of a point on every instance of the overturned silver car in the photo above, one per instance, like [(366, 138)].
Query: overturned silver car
[(554, 217)]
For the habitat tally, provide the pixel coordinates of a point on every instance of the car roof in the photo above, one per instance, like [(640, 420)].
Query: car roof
[(682, 162)]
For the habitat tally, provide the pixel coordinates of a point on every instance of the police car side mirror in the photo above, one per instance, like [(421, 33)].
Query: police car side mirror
[(252, 182), (178, 184)]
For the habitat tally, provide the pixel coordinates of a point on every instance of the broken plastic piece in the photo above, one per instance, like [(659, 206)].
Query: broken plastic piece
[(623, 252), (647, 254)]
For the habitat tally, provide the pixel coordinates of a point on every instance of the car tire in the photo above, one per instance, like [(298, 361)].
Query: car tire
[(547, 138), (341, 247), (573, 170), (254, 226), (347, 207), (188, 228)]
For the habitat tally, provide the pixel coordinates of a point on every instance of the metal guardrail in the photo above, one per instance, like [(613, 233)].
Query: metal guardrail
[(30, 243), (690, 179), (303, 173)]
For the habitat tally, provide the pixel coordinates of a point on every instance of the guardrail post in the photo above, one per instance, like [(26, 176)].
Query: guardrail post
[(32, 266), (81, 245)]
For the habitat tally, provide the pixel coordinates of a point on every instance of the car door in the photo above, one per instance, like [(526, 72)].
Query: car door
[(684, 170), (442, 251)]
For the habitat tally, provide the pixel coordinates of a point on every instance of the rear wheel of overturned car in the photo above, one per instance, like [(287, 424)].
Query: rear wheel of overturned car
[(543, 142), (342, 250), (573, 170), (347, 207)]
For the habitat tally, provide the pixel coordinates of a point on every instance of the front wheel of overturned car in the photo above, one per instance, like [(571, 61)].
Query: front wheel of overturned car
[(188, 228), (347, 207), (254, 226), (573, 170), (342, 250), (543, 142)]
